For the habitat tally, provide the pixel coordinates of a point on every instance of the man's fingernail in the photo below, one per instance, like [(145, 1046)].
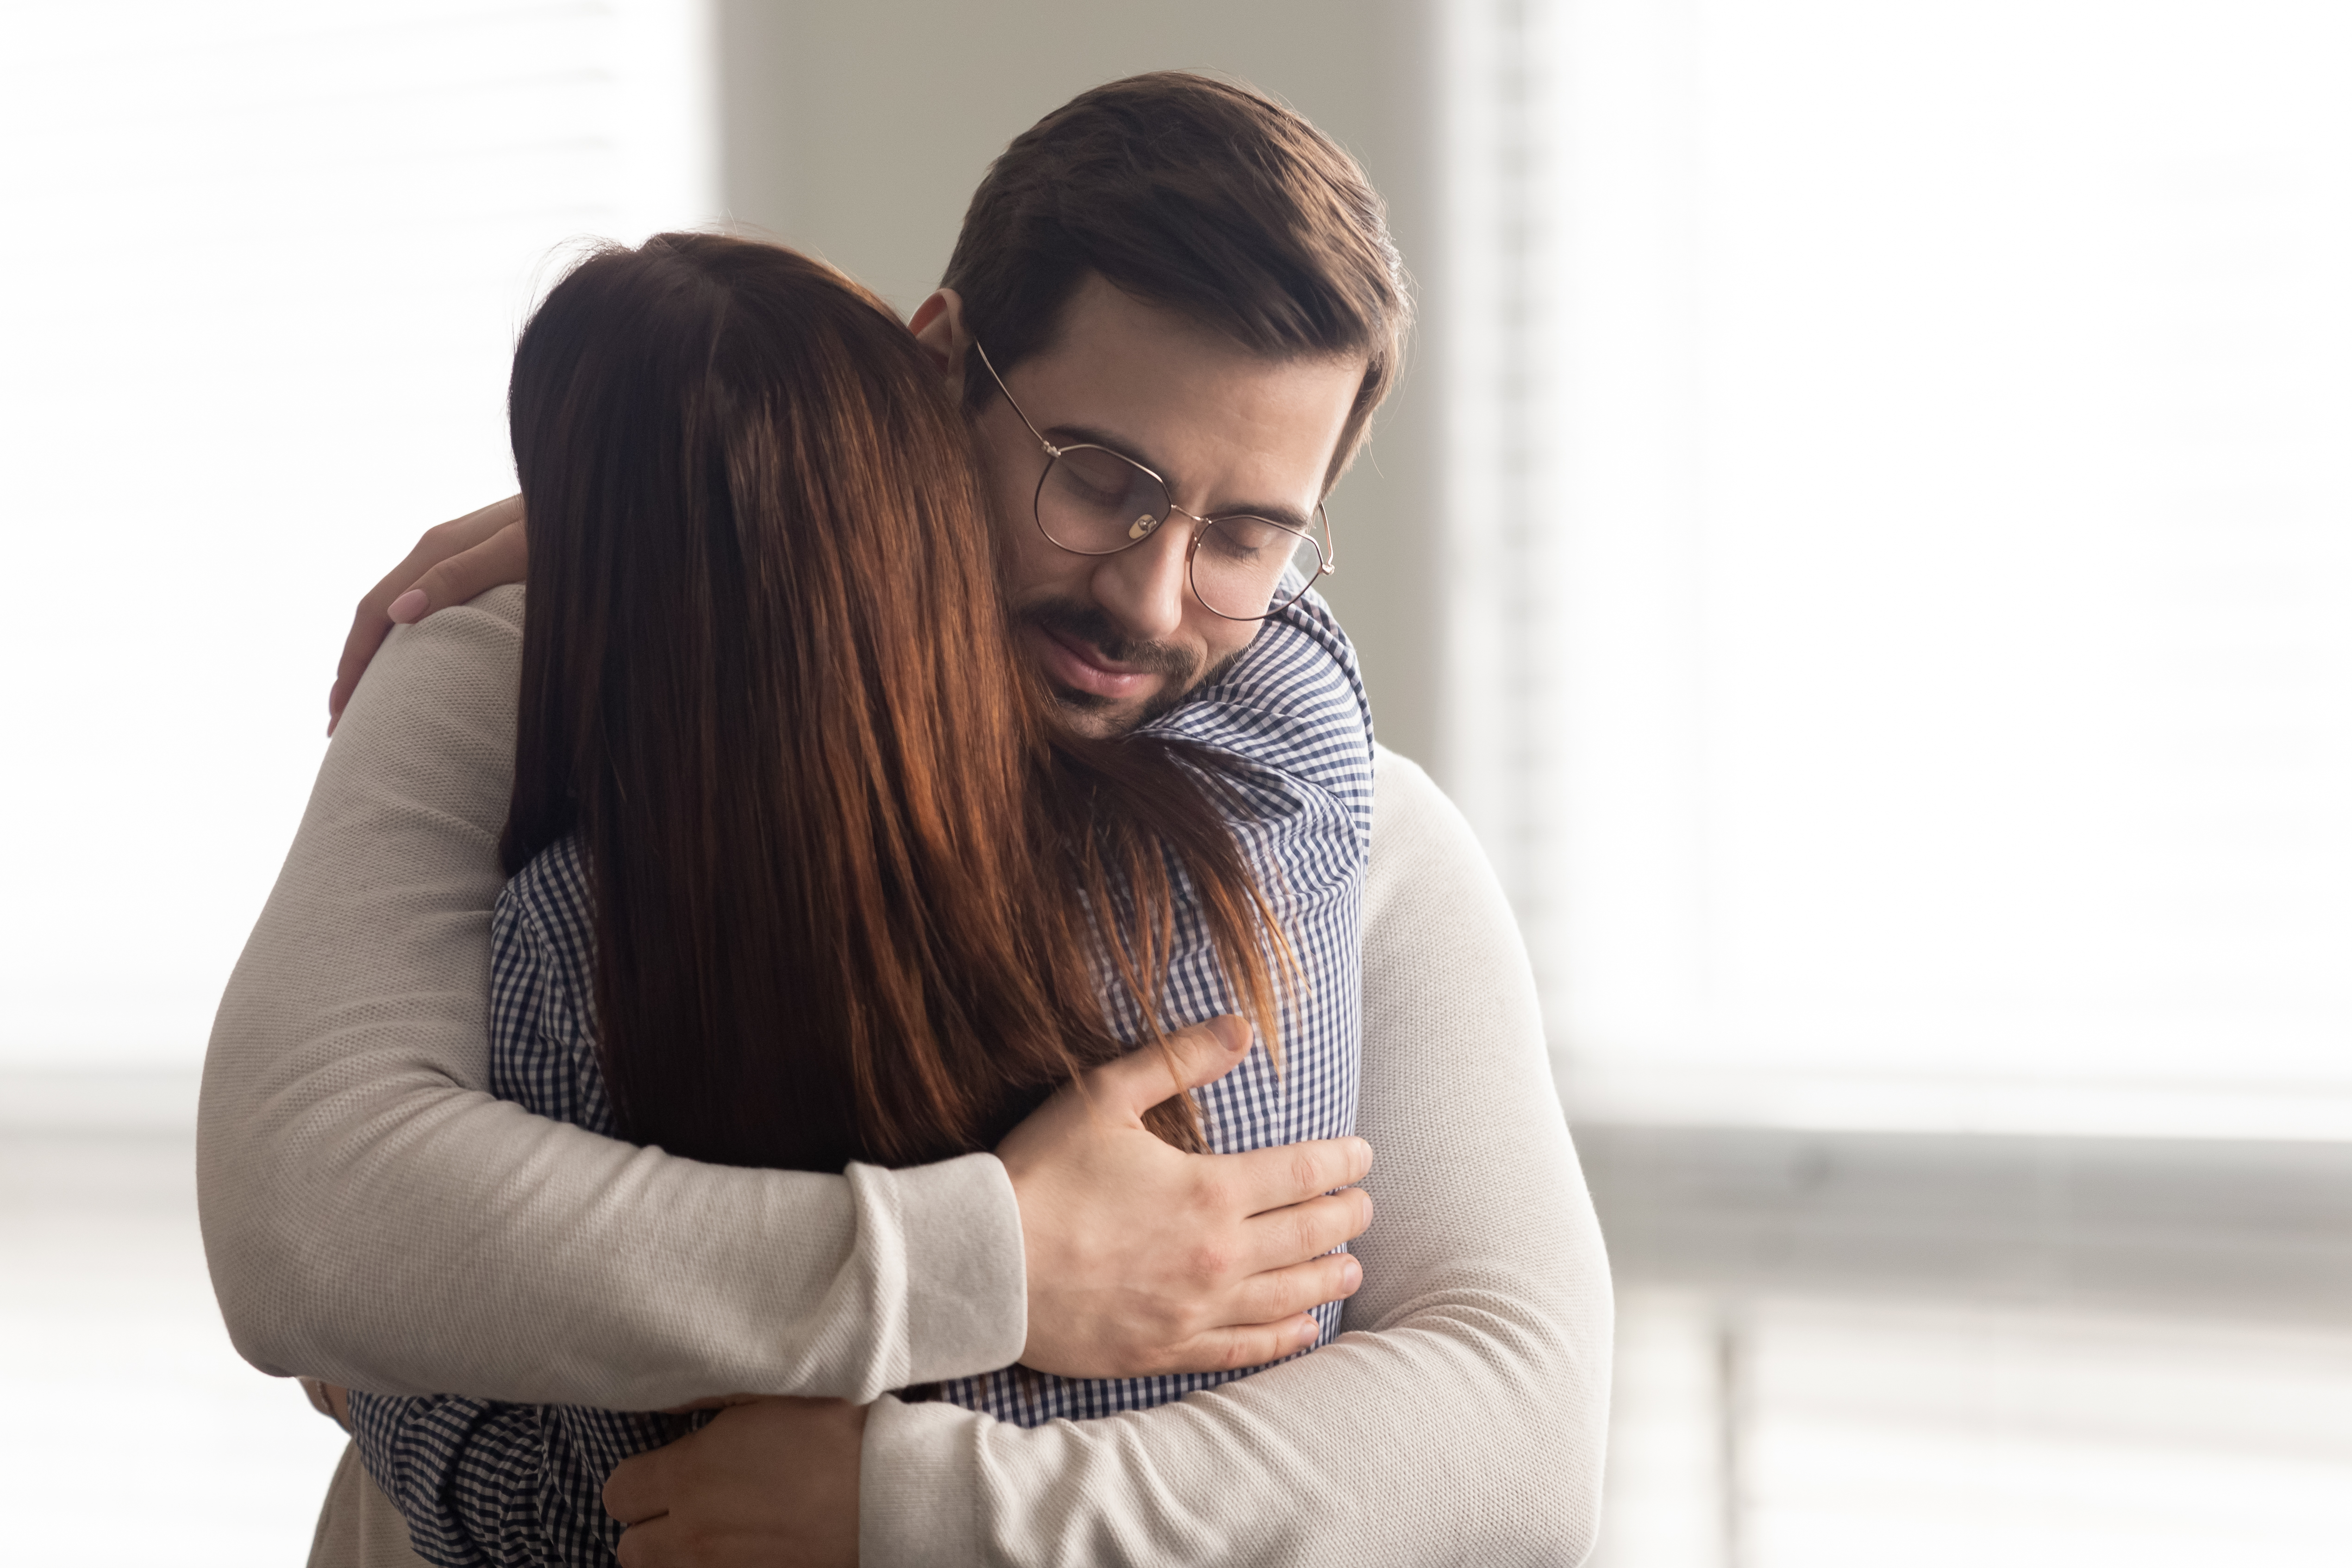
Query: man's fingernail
[(1351, 1273), (409, 608)]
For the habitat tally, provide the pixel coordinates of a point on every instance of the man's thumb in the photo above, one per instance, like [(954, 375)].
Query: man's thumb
[(1188, 1058)]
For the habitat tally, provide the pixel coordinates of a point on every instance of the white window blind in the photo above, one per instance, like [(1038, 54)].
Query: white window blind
[(1904, 531), (263, 267)]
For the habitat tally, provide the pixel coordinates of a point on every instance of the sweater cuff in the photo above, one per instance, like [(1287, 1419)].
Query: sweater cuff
[(918, 1485), (967, 1284)]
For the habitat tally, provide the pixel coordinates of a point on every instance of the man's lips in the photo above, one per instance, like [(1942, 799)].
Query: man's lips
[(1071, 663)]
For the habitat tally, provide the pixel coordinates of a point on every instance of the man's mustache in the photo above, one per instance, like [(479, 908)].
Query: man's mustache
[(1089, 624)]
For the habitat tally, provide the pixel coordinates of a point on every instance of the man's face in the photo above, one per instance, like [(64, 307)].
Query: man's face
[(1121, 638)]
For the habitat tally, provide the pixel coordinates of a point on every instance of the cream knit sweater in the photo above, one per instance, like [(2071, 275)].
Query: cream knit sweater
[(374, 1217)]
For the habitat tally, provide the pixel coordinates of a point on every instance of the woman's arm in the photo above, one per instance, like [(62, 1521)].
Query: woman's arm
[(371, 1217), (1465, 1422)]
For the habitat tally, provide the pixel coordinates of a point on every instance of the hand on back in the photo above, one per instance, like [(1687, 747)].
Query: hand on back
[(1143, 1260)]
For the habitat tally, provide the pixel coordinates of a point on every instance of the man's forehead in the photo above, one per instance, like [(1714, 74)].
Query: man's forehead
[(1172, 394)]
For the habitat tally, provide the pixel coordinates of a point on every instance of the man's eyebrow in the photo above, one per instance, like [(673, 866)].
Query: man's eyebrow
[(1281, 512)]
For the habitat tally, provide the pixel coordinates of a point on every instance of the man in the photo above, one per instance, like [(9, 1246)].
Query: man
[(1182, 275)]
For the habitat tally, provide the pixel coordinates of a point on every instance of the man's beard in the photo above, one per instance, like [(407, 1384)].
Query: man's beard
[(1088, 624)]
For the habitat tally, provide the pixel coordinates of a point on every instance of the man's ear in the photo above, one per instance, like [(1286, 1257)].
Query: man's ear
[(938, 329)]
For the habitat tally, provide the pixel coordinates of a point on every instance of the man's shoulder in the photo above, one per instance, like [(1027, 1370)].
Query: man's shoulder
[(490, 620), (1422, 847), (453, 661), (502, 604)]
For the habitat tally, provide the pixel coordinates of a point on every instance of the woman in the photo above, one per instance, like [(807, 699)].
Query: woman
[(804, 870)]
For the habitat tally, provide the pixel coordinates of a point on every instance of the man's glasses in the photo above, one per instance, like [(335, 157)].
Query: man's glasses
[(1092, 501)]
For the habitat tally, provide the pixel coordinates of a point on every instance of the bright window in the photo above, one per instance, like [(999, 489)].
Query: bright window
[(1926, 546), (269, 261)]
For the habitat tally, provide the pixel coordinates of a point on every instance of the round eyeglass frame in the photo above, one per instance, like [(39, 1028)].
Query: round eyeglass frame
[(1326, 560)]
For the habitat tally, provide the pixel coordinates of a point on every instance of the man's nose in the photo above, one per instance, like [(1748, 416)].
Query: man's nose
[(1143, 588)]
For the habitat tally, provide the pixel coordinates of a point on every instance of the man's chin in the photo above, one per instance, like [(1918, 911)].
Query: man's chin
[(1100, 718), (1096, 716)]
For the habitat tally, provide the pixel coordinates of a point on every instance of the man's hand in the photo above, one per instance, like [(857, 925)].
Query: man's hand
[(451, 564), (1144, 1259), (769, 1484)]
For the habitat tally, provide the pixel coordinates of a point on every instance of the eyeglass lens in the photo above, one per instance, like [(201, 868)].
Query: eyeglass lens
[(1095, 502)]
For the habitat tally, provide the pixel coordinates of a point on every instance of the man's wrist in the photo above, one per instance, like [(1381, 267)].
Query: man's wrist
[(957, 1226), (919, 1485)]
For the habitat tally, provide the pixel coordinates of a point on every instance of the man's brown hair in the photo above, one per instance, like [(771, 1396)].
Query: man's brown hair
[(1197, 195)]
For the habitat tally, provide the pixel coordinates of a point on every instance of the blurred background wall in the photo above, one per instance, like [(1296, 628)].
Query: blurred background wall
[(1864, 536)]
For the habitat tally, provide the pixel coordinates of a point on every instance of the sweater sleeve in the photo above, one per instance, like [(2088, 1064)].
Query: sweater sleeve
[(373, 1216), (1462, 1417)]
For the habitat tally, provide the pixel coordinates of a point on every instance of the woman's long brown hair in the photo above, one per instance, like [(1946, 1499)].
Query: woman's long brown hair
[(857, 893)]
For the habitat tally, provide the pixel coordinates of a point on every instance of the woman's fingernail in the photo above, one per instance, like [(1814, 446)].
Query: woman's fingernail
[(409, 608)]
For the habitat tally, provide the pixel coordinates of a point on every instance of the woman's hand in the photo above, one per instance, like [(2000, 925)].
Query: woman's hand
[(1143, 1260), (329, 1399), (770, 1483), (451, 564)]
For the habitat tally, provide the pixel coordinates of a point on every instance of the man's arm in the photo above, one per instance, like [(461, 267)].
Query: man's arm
[(1461, 1420), (372, 1218)]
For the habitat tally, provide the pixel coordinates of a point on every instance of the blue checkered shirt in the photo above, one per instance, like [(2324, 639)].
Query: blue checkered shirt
[(481, 1481)]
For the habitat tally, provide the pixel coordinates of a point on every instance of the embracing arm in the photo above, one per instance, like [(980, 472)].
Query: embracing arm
[(372, 1218), (1462, 1418)]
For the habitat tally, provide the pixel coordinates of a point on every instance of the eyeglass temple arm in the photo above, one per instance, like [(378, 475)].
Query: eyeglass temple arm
[(1051, 450)]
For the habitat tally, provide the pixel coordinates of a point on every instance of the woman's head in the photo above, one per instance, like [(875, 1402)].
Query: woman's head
[(740, 470), (841, 862)]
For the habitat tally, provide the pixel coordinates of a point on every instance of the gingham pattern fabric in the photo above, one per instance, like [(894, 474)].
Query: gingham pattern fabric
[(483, 1482)]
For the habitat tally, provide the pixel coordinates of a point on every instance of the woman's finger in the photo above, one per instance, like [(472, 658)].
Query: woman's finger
[(503, 558), (372, 621)]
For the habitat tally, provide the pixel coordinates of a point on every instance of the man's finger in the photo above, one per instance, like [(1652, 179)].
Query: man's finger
[(1293, 1173), (1282, 1236), (1192, 1059), (1281, 1293), (1227, 1349), (639, 1486)]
